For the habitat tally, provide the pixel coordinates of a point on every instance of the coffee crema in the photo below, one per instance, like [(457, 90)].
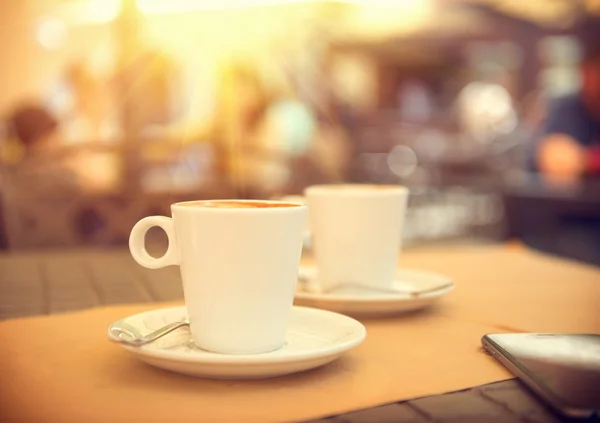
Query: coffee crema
[(366, 187), (232, 204)]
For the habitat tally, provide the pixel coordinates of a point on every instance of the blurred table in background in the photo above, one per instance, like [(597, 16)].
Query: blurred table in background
[(558, 217)]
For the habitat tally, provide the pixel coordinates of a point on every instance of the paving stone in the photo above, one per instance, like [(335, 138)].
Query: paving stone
[(458, 405), (67, 306), (68, 282), (164, 284), (505, 418), (392, 413), (518, 400), (17, 290), (20, 272), (10, 311), (117, 281)]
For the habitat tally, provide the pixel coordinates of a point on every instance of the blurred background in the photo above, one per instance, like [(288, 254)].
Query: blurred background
[(489, 111)]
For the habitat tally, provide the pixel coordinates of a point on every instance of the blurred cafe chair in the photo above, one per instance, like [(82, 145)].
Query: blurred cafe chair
[(35, 220), (49, 219)]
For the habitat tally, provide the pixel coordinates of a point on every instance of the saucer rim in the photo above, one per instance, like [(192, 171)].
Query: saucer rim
[(209, 357), (391, 297)]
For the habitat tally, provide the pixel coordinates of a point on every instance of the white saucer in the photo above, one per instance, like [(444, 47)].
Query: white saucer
[(357, 301), (314, 338)]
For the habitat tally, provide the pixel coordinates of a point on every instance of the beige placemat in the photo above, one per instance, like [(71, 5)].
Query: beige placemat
[(62, 368), (516, 289)]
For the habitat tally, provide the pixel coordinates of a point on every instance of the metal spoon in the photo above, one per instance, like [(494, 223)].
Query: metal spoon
[(118, 334), (414, 293)]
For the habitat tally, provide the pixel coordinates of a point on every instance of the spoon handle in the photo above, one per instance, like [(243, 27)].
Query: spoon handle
[(126, 338), (413, 292)]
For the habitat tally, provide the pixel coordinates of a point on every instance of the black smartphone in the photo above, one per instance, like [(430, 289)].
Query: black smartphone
[(564, 370)]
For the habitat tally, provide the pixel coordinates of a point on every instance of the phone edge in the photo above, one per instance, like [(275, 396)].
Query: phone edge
[(549, 398)]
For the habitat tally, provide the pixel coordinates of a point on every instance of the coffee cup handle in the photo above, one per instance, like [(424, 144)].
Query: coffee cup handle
[(137, 243)]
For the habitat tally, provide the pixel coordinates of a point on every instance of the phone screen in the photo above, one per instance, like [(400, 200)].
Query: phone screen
[(565, 366)]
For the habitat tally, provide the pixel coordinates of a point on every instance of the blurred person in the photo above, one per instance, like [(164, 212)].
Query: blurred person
[(258, 128), (150, 89), (83, 104), (534, 111), (332, 149), (48, 172), (46, 166), (567, 154), (569, 146), (37, 131), (35, 128)]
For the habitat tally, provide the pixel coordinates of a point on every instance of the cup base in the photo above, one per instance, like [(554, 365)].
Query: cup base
[(193, 345)]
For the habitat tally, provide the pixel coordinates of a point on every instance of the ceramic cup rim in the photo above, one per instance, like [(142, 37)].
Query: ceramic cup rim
[(356, 190), (291, 207)]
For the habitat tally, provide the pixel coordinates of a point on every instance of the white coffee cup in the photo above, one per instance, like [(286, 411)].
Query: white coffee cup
[(356, 233), (239, 263)]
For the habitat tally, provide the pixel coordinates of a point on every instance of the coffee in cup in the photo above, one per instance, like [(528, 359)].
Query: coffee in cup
[(237, 204)]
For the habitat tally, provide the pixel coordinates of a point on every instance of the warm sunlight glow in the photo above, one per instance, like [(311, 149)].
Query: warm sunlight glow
[(378, 18), (152, 7), (179, 6), (89, 11)]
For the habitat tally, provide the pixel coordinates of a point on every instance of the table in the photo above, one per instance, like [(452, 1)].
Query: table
[(562, 219), (55, 282)]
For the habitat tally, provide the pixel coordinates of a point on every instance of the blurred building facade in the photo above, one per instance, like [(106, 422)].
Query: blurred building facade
[(162, 101)]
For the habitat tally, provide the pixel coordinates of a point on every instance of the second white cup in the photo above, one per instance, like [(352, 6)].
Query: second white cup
[(356, 233)]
